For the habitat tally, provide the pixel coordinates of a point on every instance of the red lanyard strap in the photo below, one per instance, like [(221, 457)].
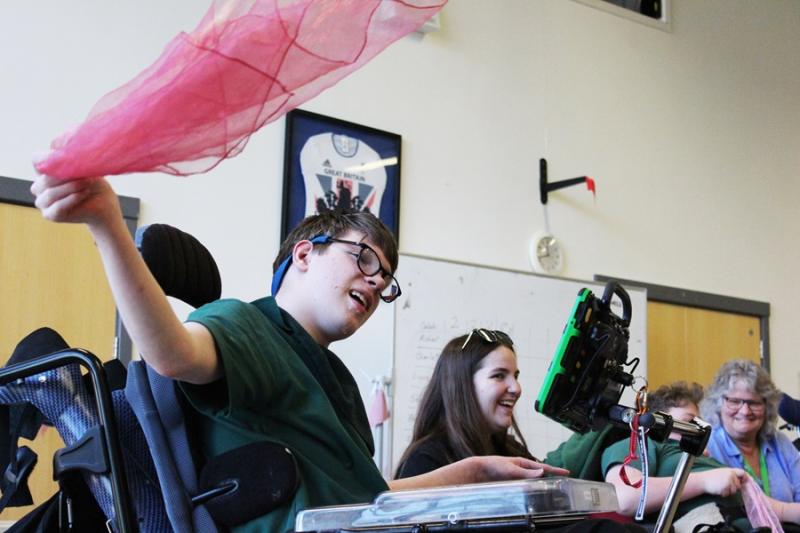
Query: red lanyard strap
[(638, 438), (631, 454)]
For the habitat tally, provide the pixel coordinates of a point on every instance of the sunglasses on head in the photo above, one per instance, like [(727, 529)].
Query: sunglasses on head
[(490, 336)]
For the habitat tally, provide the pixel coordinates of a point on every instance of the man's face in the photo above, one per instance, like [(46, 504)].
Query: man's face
[(342, 298), (685, 413)]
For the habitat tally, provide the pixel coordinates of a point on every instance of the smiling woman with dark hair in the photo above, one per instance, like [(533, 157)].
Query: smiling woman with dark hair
[(468, 406)]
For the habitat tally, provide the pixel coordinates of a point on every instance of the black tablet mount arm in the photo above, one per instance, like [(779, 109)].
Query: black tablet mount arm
[(589, 376)]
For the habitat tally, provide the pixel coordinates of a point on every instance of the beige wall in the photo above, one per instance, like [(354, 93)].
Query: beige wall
[(692, 136)]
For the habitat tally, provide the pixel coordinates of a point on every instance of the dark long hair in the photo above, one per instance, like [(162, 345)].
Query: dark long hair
[(450, 409)]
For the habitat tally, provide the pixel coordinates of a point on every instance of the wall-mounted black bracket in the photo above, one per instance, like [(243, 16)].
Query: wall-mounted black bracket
[(545, 187)]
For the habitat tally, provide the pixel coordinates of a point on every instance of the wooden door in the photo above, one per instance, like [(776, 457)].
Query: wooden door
[(689, 343), (50, 275)]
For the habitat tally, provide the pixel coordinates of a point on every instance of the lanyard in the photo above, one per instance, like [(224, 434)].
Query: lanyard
[(638, 437), (764, 474)]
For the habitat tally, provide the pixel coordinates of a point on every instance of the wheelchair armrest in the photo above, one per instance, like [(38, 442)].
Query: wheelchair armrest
[(122, 505)]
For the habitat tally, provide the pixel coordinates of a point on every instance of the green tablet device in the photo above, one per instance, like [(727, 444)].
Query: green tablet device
[(587, 374)]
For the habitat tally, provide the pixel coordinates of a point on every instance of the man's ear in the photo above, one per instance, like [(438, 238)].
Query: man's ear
[(301, 254)]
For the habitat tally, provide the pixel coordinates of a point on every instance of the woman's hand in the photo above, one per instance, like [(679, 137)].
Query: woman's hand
[(785, 511), (478, 469), (498, 468)]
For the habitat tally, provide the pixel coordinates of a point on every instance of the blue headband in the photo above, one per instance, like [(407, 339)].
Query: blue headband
[(277, 278)]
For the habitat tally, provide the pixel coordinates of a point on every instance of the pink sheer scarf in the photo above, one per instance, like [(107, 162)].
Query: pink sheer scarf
[(246, 64), (759, 511)]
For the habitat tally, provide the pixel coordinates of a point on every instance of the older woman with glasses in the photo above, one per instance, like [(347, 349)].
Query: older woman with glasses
[(742, 405), (468, 407)]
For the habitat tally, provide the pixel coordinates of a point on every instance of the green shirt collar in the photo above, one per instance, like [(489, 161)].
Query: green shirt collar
[(329, 371)]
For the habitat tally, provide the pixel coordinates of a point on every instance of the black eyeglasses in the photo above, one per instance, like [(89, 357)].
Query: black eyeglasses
[(734, 404), (490, 336), (367, 260), (370, 264)]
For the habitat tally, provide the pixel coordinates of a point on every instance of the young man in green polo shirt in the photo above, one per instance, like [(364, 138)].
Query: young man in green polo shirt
[(708, 483), (262, 370)]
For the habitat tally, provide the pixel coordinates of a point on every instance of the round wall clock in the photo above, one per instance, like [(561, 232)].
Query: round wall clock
[(546, 254)]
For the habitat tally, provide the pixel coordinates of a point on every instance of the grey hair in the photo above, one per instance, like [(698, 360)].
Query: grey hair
[(753, 378)]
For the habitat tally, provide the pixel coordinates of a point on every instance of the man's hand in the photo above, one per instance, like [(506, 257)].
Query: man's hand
[(722, 481), (89, 200), (177, 351)]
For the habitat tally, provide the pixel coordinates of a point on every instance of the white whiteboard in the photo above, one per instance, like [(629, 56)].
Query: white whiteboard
[(442, 300)]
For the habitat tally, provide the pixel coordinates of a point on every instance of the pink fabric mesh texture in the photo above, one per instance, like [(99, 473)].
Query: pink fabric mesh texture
[(247, 63), (759, 511)]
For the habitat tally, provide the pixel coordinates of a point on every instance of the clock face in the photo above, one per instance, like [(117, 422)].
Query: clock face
[(546, 254)]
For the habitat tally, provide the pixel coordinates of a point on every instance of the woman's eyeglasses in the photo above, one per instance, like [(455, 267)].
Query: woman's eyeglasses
[(734, 404), (491, 336)]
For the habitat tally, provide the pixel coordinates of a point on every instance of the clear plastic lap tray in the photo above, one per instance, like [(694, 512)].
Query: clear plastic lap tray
[(531, 498)]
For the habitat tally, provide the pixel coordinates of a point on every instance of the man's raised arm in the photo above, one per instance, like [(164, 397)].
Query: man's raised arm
[(176, 350)]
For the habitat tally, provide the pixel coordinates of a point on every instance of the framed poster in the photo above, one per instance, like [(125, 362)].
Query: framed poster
[(333, 164)]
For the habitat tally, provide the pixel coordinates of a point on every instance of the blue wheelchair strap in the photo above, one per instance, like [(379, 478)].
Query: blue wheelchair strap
[(154, 400)]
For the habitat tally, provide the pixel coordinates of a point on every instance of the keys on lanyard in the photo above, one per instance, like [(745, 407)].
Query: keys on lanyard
[(642, 438), (638, 440)]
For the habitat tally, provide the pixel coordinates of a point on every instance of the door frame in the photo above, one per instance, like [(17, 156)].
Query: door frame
[(17, 191), (706, 300)]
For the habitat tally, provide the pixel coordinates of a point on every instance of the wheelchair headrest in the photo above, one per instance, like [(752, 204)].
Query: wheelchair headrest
[(22, 419), (182, 266), (43, 341), (19, 418)]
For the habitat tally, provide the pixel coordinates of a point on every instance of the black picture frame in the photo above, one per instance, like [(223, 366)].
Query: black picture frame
[(344, 165)]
